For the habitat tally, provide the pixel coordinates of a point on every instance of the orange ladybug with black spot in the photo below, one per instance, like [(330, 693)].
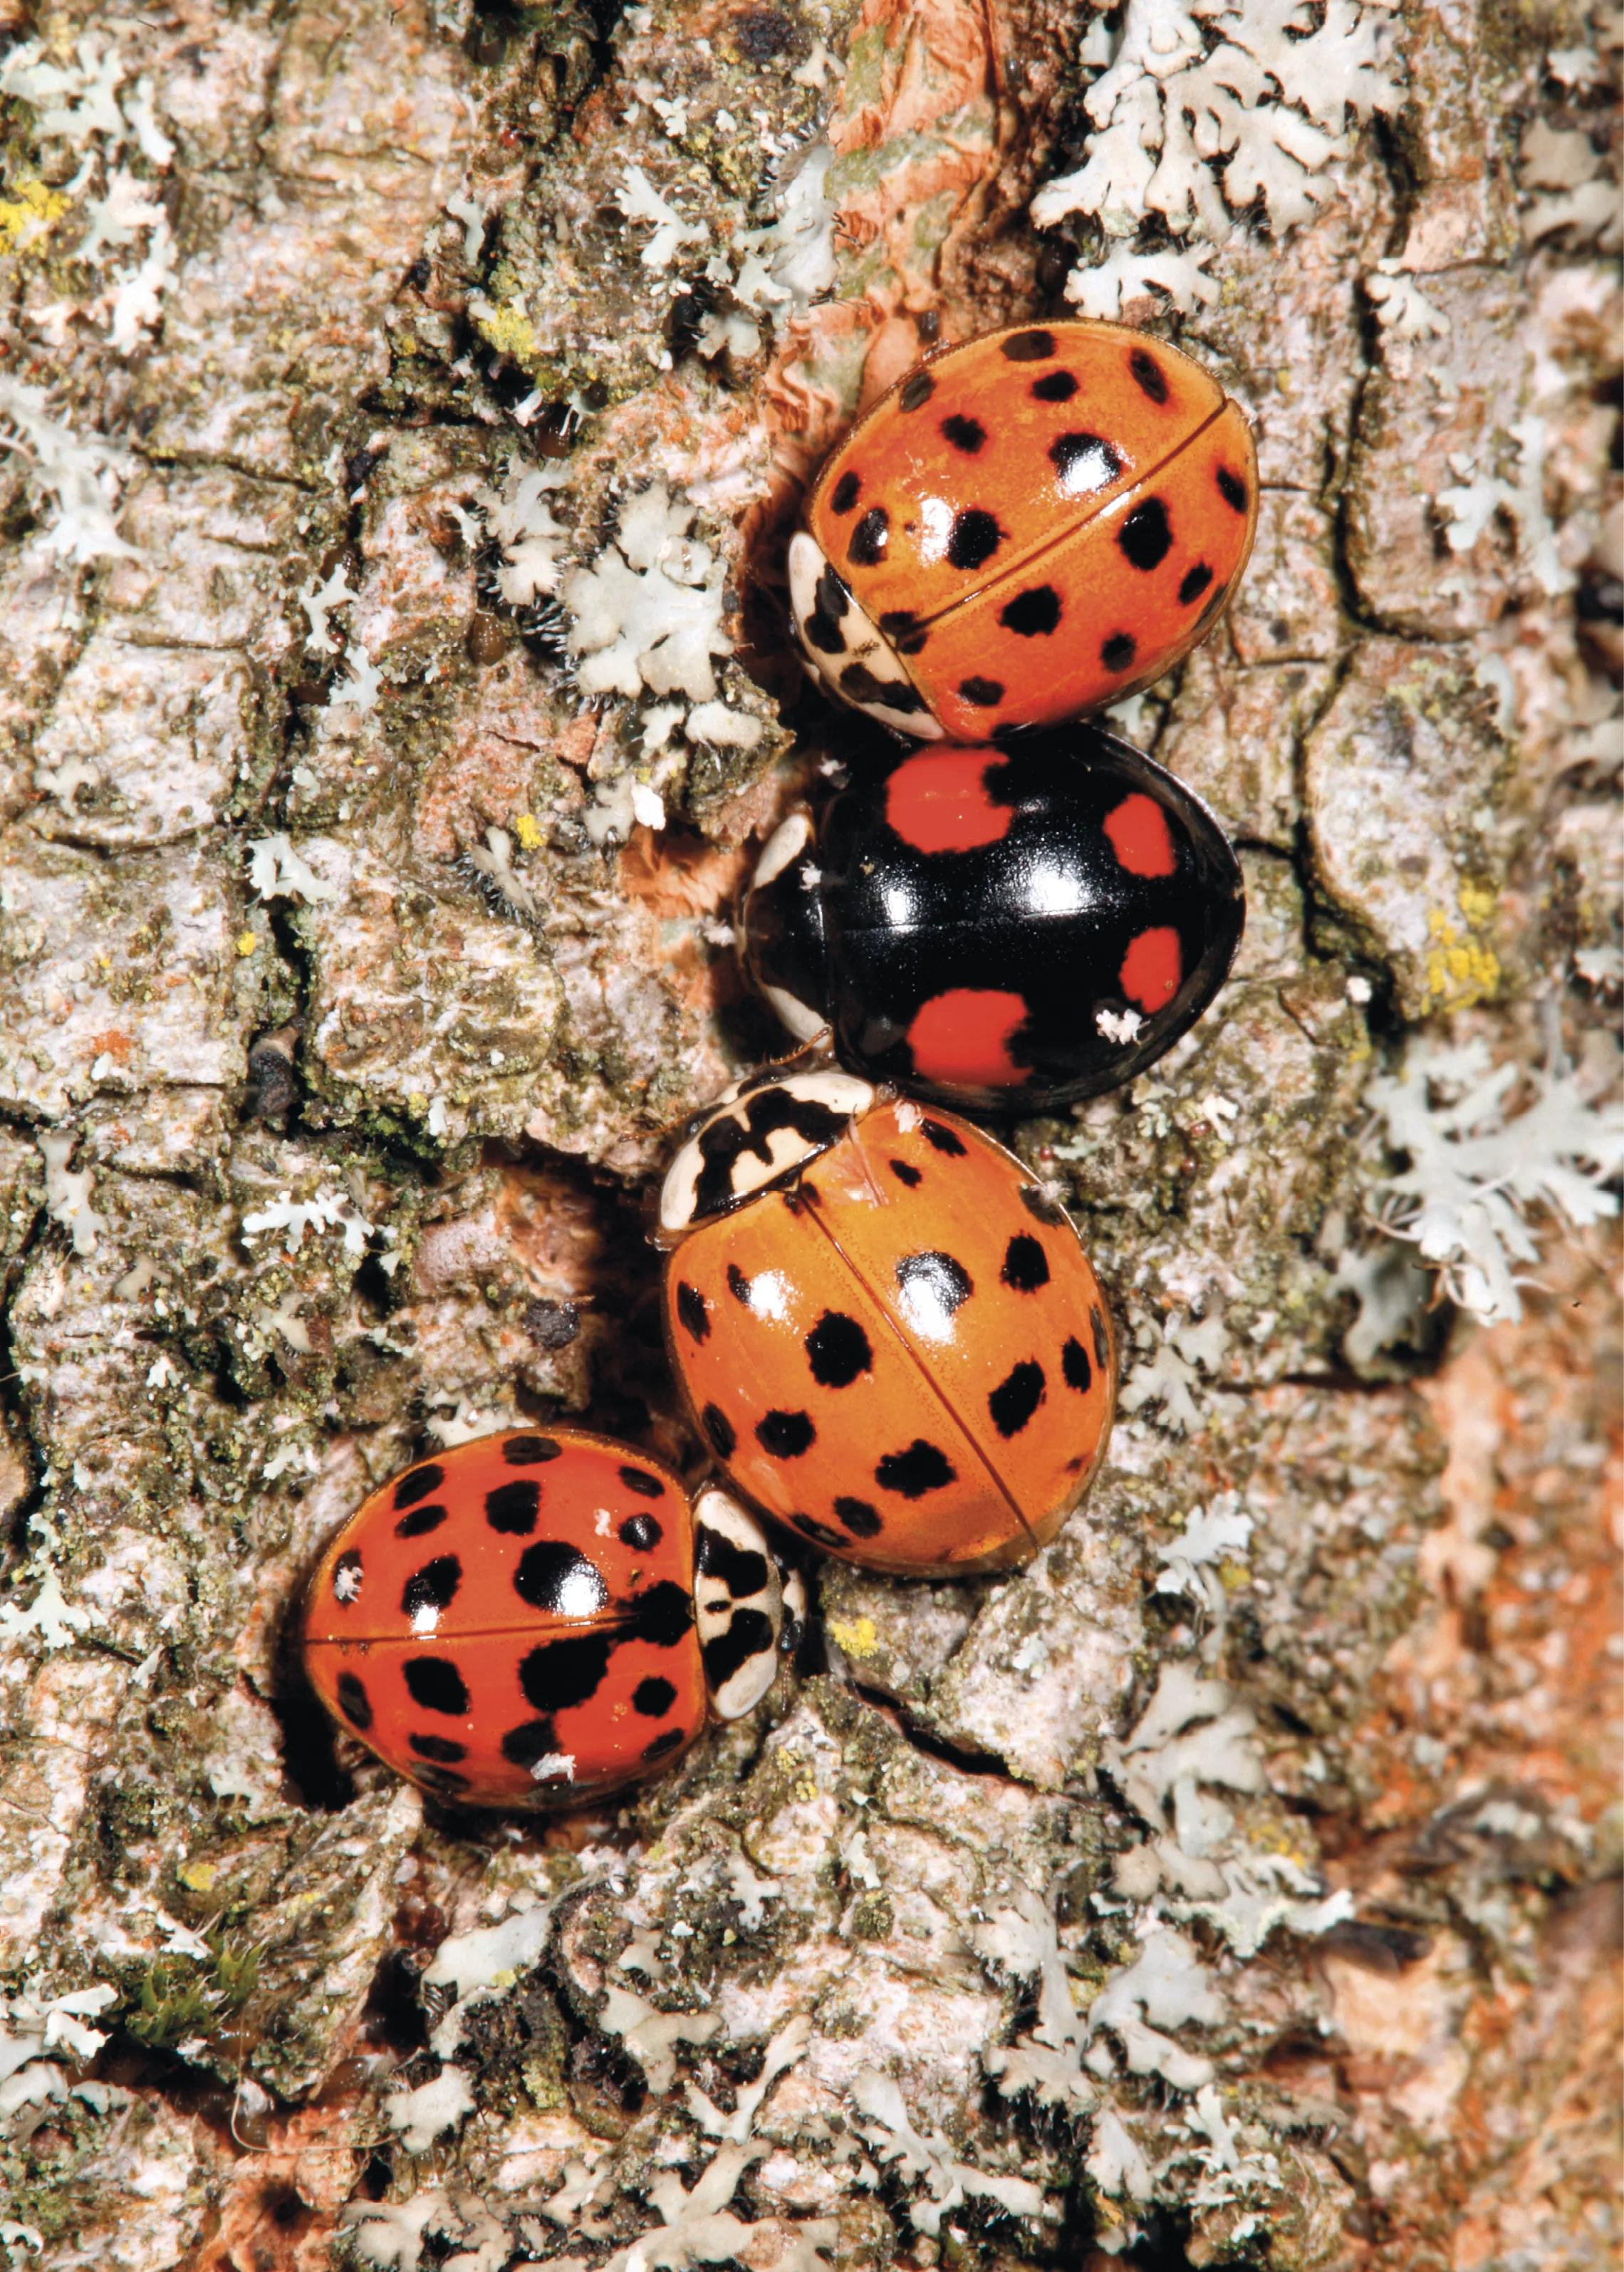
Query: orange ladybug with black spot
[(886, 1328), (1004, 930), (1026, 528), (539, 1617)]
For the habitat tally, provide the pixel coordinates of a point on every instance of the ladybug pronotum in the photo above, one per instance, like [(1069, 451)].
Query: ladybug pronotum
[(540, 1617), (887, 1331), (1000, 929), (1024, 529)]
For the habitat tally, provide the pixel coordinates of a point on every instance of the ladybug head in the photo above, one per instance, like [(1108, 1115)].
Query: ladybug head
[(844, 653), (781, 927), (762, 1132), (749, 1605)]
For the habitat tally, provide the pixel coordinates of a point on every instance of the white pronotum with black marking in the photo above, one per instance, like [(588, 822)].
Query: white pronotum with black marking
[(756, 1135), (844, 651), (739, 1604)]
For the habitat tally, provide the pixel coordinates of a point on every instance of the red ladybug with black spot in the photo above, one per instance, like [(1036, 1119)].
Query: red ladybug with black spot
[(886, 1328), (540, 1617), (1001, 928), (1027, 528)]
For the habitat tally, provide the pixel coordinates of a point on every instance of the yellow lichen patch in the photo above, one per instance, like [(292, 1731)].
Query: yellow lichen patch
[(28, 213), (859, 1637), (198, 1877), (527, 828), (507, 329), (248, 942), (1462, 968)]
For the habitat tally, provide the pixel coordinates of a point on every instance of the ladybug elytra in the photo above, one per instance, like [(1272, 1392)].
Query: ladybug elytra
[(888, 1333), (540, 1617), (1027, 528), (999, 929)]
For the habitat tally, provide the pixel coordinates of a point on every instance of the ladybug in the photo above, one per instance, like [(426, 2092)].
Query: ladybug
[(540, 1617), (887, 1331), (1000, 929), (1024, 529)]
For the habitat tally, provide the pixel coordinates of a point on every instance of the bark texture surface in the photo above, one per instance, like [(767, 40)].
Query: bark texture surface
[(405, 411)]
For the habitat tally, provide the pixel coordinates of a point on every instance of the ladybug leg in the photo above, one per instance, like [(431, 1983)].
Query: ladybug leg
[(738, 1604), (848, 656)]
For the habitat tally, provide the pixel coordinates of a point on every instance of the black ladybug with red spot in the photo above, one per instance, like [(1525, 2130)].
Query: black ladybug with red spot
[(999, 928)]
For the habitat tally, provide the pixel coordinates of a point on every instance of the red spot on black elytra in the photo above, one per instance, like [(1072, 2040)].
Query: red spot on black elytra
[(1153, 969), (419, 1482), (1054, 386), (869, 538), (973, 538), (353, 1701), (915, 392), (724, 1437), (838, 1350), (1118, 651), (436, 1684), (1146, 537), (1231, 489), (513, 1508), (1075, 1366), (961, 1039), (1025, 1265), (785, 1435), (981, 694), (1149, 373), (1016, 1397), (921, 1468), (861, 1519), (965, 433), (1140, 837), (1029, 346), (420, 1520), (845, 493), (640, 1532), (939, 802), (1194, 583), (692, 1314), (1032, 614)]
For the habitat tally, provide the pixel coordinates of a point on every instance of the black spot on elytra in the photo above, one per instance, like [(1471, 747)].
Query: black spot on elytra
[(434, 1587), (749, 1634), (420, 1520), (562, 1674), (1215, 601), (1146, 537), (640, 1532), (1054, 386), (1075, 1366), (785, 1435), (530, 1451), (965, 433), (1231, 489), (530, 1741), (653, 1697), (742, 1569), (860, 684), (845, 493), (1102, 1340), (981, 694), (942, 1140), (1084, 462), (353, 1701), (436, 1684), (439, 1748), (446, 1781), (640, 1480), (1195, 584), (692, 1314), (1040, 1206), (738, 1284), (560, 1580), (1148, 373), (347, 1578), (749, 1130), (838, 1350), (1029, 346), (934, 1280), (669, 1740), (1016, 1398), (861, 1519), (513, 1508), (915, 392), (1025, 1265), (1118, 651), (419, 1482), (719, 1429), (866, 546), (1032, 614), (819, 1533), (922, 1467), (907, 1174), (973, 538), (904, 631), (662, 1615)]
